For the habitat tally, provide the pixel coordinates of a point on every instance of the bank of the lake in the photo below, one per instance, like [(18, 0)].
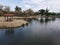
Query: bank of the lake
[(14, 23), (17, 21)]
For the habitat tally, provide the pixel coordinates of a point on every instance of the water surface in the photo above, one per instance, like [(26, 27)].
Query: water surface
[(36, 32)]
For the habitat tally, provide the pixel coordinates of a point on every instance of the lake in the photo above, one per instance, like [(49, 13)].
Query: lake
[(36, 32)]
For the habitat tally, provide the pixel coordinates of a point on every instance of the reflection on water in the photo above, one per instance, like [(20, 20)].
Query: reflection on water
[(36, 32), (41, 20), (53, 19), (9, 31), (46, 20), (26, 24)]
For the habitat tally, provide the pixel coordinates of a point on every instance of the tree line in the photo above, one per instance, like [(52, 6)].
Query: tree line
[(29, 12)]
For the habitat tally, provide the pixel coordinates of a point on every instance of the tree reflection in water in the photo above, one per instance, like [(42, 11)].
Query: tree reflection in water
[(41, 20), (9, 31), (53, 19), (46, 20), (26, 24)]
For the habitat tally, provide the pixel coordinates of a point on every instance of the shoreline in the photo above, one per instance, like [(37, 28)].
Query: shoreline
[(12, 24), (17, 21)]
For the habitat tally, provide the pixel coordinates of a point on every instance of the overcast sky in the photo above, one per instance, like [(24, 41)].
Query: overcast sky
[(53, 5)]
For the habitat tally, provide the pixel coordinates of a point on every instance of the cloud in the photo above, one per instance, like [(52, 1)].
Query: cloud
[(53, 5)]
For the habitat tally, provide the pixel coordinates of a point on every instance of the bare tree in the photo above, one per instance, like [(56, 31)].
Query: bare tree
[(7, 9), (29, 12), (1, 10), (46, 12), (1, 7)]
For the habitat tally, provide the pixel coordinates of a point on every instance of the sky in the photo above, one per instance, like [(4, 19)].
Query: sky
[(52, 5)]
